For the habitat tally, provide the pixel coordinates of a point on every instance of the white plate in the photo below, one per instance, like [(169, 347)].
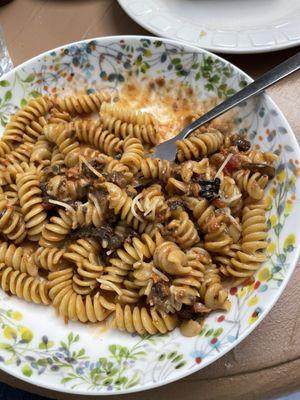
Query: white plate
[(226, 26)]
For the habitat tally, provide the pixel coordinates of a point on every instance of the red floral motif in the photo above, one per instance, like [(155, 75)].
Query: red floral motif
[(233, 291), (256, 285)]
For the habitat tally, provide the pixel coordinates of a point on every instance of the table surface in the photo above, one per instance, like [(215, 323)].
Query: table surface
[(267, 363)]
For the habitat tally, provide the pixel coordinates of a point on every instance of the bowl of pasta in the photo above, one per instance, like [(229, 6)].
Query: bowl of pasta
[(120, 272)]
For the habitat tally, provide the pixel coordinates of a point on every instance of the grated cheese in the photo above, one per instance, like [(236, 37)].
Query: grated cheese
[(81, 158), (135, 202), (96, 204), (62, 204), (148, 288), (231, 199), (160, 274), (110, 285), (227, 159)]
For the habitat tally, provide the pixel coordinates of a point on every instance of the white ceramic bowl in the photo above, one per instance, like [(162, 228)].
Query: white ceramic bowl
[(36, 345)]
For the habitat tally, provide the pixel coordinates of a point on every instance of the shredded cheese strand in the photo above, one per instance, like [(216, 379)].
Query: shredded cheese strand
[(62, 204), (160, 274), (133, 204), (85, 162), (111, 285), (227, 159), (96, 204)]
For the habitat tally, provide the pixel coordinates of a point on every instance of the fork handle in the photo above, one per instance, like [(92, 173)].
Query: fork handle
[(279, 72)]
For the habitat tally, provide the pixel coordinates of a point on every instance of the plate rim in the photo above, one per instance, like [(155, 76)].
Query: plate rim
[(251, 328), (210, 48)]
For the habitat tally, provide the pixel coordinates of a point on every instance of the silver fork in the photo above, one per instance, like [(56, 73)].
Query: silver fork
[(167, 150)]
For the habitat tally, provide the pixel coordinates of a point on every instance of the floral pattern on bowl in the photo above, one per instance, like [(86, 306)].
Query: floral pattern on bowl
[(35, 345)]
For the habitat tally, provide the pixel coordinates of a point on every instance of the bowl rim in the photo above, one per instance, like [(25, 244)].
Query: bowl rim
[(250, 329)]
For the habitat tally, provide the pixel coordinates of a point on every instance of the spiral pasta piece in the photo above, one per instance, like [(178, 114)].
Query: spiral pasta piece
[(123, 205), (11, 194), (124, 122), (5, 148), (185, 291), (258, 157), (202, 211), (251, 255), (54, 232), (88, 269), (31, 203), (175, 186), (212, 292), (189, 169), (18, 258), (133, 153), (20, 154), (217, 240), (83, 249), (11, 222), (42, 150), (57, 161), (152, 204), (251, 184), (92, 133), (138, 249), (141, 275), (199, 145), (24, 286), (169, 258), (81, 103), (8, 173), (73, 306), (62, 135), (142, 321), (49, 258), (231, 195), (154, 168), (183, 230), (87, 214), (34, 130), (59, 117), (61, 188), (31, 112)]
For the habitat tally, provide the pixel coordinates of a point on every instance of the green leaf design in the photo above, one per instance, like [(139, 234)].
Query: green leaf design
[(180, 365), (133, 381), (218, 332), (176, 61), (35, 94), (47, 345), (113, 349), (66, 379), (8, 96), (30, 78), (157, 43), (6, 346), (230, 92), (4, 83), (278, 228), (243, 83), (209, 332), (26, 335), (23, 102), (26, 370)]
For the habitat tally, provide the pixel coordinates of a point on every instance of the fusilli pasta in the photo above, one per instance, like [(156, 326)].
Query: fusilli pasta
[(95, 227)]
